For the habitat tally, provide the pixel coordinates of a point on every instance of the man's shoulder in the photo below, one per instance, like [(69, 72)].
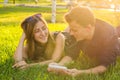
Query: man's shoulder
[(103, 27), (104, 32), (102, 23)]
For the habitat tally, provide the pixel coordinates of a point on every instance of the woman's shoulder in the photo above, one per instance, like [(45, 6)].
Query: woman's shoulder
[(64, 35)]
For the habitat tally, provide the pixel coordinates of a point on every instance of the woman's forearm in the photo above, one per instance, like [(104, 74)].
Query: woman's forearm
[(46, 62), (42, 63), (65, 60), (19, 51)]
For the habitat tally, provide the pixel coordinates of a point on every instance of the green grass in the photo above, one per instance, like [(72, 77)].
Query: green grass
[(10, 32)]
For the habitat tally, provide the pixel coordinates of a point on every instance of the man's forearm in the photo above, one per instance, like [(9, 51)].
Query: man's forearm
[(95, 70)]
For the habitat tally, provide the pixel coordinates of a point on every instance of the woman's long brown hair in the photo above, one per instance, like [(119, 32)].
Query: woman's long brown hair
[(28, 26)]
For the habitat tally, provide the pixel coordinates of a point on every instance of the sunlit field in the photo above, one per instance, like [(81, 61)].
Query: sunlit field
[(10, 32)]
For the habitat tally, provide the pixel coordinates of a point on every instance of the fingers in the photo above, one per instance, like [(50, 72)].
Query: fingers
[(52, 70), (68, 72), (72, 72), (19, 64), (57, 71), (14, 66), (24, 67), (48, 69)]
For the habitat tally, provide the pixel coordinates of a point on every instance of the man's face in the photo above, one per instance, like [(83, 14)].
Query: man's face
[(78, 31)]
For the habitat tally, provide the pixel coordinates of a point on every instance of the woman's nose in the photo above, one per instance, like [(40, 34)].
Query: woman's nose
[(42, 33)]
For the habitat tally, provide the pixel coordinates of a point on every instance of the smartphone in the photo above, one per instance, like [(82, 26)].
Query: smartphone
[(57, 66)]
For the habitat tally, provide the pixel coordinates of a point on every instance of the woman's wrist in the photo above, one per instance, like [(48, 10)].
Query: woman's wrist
[(23, 38), (17, 61)]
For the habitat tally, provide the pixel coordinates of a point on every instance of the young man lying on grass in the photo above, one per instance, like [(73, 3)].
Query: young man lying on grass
[(95, 38)]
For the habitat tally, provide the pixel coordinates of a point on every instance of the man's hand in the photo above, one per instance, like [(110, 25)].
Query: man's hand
[(72, 72), (57, 71)]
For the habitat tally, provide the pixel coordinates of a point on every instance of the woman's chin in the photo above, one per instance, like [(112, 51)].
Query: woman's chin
[(44, 41)]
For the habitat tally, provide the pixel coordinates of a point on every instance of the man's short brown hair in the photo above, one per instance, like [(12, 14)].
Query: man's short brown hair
[(81, 14)]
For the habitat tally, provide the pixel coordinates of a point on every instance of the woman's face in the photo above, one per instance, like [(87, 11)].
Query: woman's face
[(40, 32)]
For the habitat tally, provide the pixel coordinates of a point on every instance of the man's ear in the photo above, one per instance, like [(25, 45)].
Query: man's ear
[(89, 27)]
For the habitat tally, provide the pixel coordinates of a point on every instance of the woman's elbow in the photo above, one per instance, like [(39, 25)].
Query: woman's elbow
[(55, 60)]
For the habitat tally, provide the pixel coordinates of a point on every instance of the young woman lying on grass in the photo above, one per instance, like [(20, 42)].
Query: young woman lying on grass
[(41, 46)]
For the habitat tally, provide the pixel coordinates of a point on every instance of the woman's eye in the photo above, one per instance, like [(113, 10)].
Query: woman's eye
[(37, 30), (44, 28)]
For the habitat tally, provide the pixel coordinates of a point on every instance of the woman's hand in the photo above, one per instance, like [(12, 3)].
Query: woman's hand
[(51, 69), (56, 68), (25, 66), (19, 64), (71, 72)]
